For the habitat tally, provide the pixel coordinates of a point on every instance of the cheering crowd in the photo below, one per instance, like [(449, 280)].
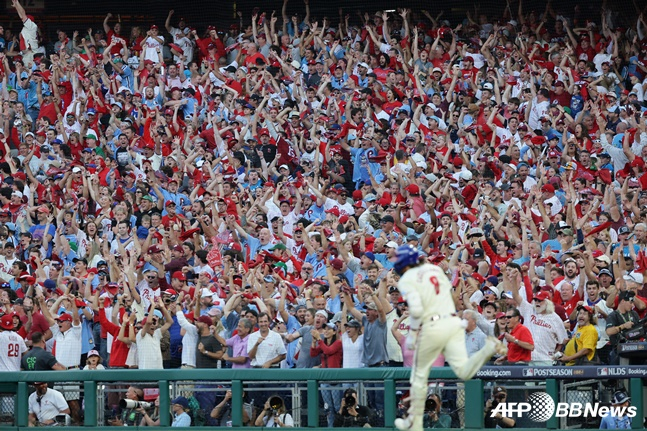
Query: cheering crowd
[(233, 197)]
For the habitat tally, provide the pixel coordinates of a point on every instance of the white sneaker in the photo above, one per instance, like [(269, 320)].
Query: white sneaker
[(499, 347)]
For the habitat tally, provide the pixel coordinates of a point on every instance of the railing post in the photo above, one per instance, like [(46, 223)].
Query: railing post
[(313, 404), (90, 390), (636, 387), (236, 403), (22, 405), (552, 389), (475, 402), (389, 402), (165, 401)]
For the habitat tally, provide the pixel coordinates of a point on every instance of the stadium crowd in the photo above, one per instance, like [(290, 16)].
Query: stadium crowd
[(233, 197)]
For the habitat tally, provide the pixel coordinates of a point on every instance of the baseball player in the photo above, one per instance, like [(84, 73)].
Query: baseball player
[(435, 328)]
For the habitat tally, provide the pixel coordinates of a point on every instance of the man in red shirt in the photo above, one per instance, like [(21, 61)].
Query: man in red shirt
[(519, 338)]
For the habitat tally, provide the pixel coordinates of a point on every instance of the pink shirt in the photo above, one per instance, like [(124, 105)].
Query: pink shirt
[(239, 348)]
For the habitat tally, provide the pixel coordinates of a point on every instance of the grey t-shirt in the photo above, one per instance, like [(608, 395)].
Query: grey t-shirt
[(305, 360), (374, 342)]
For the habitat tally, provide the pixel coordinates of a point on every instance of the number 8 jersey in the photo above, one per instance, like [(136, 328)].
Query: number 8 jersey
[(428, 292), (12, 347)]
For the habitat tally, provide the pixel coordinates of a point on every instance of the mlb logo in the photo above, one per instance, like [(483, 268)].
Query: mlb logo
[(528, 372), (604, 371)]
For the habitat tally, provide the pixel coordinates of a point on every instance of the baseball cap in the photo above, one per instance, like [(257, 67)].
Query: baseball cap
[(605, 272), (634, 277), (65, 317), (6, 322), (182, 401), (542, 296)]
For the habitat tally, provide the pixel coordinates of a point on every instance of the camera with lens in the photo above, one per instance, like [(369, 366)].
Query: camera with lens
[(497, 399), (430, 405), (132, 404), (349, 400), (275, 404)]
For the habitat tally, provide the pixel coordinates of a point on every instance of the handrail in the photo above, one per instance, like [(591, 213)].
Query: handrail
[(312, 378)]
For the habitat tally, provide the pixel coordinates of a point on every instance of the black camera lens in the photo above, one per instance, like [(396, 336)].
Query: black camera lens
[(430, 404), (350, 400)]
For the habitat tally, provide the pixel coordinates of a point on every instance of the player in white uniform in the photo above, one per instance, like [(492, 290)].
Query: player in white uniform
[(434, 329), (12, 346)]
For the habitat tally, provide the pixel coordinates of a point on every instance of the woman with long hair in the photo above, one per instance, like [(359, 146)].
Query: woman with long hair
[(330, 349)]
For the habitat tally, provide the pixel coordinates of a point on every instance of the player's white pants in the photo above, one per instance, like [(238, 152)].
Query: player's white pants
[(445, 336)]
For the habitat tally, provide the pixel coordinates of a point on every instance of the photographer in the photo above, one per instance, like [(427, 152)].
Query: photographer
[(274, 414), (352, 415), (621, 319), (499, 395), (130, 413), (222, 411), (433, 418)]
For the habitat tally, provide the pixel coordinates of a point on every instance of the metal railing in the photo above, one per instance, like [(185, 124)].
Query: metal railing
[(560, 381)]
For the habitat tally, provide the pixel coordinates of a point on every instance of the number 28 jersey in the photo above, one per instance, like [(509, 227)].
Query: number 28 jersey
[(12, 346), (432, 287)]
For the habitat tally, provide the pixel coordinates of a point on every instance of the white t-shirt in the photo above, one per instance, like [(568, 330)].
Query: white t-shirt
[(12, 346), (189, 340), (547, 331), (352, 352), (149, 351)]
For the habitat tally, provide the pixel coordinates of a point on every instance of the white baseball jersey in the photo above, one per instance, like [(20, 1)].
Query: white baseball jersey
[(432, 286), (547, 331), (12, 347)]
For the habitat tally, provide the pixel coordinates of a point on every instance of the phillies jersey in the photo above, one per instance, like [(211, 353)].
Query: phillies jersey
[(12, 347)]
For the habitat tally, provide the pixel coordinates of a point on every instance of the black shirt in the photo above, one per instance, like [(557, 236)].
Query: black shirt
[(617, 319), (346, 420), (212, 345), (38, 359)]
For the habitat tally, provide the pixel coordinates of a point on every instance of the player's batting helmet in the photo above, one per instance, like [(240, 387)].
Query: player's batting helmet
[(406, 255)]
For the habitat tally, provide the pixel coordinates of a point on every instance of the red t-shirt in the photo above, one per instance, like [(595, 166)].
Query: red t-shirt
[(119, 352), (517, 353)]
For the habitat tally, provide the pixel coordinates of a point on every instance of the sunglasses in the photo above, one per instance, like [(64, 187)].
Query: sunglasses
[(509, 317)]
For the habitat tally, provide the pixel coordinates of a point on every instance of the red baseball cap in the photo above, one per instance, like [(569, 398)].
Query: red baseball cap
[(65, 317), (180, 276), (542, 296)]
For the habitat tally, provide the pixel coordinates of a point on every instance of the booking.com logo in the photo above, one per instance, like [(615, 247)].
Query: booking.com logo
[(541, 407)]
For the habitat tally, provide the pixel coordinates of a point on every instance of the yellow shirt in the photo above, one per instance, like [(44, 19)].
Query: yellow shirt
[(586, 337)]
